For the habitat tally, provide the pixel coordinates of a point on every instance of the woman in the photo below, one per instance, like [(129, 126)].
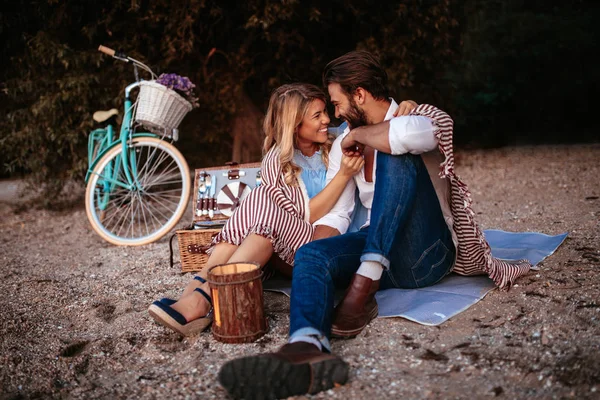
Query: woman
[(277, 216)]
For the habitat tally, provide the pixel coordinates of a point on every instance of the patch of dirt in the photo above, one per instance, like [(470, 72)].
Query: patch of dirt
[(74, 324)]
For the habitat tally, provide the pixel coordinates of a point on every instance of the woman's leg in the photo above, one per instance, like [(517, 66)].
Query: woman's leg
[(220, 255), (254, 248)]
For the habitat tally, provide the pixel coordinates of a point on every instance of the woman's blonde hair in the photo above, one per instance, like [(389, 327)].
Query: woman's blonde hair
[(287, 107)]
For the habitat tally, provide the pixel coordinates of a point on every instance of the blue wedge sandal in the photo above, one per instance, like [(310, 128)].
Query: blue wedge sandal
[(162, 313)]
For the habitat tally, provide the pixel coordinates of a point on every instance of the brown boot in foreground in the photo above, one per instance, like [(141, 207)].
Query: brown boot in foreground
[(357, 308), (295, 369)]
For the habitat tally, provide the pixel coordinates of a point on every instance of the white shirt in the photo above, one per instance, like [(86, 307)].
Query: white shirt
[(408, 134)]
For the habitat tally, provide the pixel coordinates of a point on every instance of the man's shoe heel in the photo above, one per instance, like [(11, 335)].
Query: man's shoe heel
[(346, 334), (328, 374)]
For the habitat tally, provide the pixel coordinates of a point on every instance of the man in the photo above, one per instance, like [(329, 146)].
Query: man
[(420, 227)]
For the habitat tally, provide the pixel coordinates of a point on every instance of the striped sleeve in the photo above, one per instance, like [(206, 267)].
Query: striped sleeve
[(270, 169)]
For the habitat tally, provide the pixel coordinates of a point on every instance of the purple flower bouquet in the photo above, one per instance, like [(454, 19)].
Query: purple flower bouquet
[(180, 84)]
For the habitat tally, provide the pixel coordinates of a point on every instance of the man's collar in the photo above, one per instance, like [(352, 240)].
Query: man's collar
[(391, 110)]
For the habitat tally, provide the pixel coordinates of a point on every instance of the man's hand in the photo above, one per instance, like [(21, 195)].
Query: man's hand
[(405, 108), (350, 147), (324, 231)]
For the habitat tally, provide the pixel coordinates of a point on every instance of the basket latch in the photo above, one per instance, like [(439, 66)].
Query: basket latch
[(197, 249), (233, 173)]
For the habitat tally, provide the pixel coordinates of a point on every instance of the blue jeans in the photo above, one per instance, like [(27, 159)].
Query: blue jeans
[(407, 235)]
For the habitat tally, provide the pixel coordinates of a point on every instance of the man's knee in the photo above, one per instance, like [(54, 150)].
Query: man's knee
[(390, 167), (311, 258), (307, 252), (398, 161)]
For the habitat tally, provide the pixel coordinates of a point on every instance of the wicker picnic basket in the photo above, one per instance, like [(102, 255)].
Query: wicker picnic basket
[(159, 108), (193, 244)]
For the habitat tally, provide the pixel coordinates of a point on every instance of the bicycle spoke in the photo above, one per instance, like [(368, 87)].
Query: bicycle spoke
[(139, 213), (120, 197), (158, 163), (152, 216), (162, 203), (173, 177), (143, 212), (117, 212), (122, 212), (141, 176), (149, 159), (121, 221), (116, 209), (132, 223), (163, 172), (163, 183), (166, 191), (150, 205), (157, 198)]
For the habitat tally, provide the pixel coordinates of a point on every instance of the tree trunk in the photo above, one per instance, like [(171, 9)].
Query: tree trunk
[(247, 131)]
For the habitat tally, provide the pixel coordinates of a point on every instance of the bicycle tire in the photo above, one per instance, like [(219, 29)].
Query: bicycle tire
[(153, 163)]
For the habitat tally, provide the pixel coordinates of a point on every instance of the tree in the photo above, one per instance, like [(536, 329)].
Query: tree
[(234, 52)]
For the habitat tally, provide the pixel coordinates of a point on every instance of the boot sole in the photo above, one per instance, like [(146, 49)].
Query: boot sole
[(352, 333), (263, 377)]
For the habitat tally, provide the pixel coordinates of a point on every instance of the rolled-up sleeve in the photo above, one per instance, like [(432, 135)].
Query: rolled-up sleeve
[(413, 134), (340, 215)]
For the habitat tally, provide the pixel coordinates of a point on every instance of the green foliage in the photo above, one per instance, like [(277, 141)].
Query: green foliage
[(507, 70), (56, 79)]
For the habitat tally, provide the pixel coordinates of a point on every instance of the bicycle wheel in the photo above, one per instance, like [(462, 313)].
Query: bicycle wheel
[(144, 210)]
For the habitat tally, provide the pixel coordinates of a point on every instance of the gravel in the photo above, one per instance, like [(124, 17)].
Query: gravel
[(74, 322)]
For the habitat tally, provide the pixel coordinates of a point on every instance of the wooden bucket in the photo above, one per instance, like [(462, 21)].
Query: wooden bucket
[(237, 296)]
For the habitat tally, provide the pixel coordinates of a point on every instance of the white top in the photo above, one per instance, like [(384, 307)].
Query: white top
[(408, 134)]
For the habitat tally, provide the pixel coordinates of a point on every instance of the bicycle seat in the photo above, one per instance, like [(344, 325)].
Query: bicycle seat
[(101, 116)]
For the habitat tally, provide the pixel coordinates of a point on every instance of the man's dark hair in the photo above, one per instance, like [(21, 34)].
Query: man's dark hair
[(358, 69)]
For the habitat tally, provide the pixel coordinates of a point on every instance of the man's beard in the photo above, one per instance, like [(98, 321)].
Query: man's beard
[(355, 117)]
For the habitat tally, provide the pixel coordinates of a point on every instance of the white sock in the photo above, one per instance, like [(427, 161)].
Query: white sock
[(370, 269), (307, 339)]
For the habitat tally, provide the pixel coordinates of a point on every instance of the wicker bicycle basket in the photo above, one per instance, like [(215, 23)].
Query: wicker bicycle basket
[(193, 244), (160, 109)]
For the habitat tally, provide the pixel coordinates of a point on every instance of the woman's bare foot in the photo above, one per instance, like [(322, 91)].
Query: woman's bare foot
[(195, 283), (193, 305)]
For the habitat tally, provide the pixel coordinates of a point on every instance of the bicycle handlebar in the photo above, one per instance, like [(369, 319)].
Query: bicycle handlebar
[(120, 56), (106, 50)]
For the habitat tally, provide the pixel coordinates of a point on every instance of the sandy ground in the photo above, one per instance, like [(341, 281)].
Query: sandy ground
[(74, 322)]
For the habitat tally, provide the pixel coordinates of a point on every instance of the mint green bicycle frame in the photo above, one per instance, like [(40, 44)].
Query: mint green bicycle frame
[(104, 139)]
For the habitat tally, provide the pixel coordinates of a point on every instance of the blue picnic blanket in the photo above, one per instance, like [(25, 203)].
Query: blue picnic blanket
[(454, 294)]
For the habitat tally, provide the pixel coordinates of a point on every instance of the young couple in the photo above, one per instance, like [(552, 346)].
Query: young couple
[(419, 228)]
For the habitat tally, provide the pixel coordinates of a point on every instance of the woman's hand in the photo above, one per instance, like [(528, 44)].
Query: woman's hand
[(405, 108), (351, 165), (323, 202)]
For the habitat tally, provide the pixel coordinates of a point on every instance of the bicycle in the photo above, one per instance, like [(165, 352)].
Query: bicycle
[(138, 184)]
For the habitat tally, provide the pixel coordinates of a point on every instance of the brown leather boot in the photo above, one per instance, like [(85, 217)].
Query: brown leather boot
[(357, 308), (295, 369)]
